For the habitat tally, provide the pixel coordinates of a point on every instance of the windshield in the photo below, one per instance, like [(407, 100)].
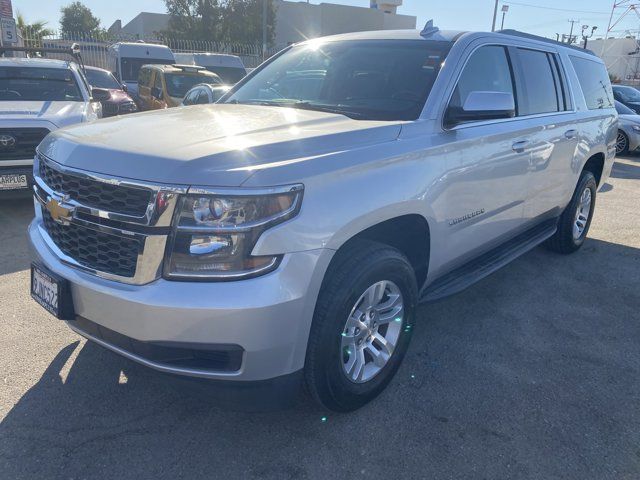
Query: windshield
[(131, 67), (628, 94), (368, 80), (623, 109), (38, 84), (178, 84), (102, 79), (229, 75)]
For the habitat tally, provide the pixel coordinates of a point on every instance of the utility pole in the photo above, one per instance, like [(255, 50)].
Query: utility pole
[(573, 22), (495, 16)]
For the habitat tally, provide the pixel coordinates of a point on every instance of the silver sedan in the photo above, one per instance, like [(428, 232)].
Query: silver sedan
[(628, 130)]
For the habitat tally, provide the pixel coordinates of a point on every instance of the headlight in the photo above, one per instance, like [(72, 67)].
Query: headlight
[(636, 128), (215, 233), (127, 107)]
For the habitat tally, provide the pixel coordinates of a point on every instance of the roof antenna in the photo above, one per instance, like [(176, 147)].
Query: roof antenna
[(429, 29)]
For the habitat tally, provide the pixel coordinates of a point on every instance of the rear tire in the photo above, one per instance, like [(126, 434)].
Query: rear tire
[(575, 221), (361, 327)]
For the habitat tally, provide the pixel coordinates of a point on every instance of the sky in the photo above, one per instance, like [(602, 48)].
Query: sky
[(540, 17)]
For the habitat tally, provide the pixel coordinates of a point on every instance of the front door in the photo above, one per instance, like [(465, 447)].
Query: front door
[(485, 184)]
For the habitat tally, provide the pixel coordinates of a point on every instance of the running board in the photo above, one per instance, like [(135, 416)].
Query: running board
[(483, 266)]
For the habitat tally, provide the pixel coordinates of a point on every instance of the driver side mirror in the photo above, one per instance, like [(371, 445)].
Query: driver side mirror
[(480, 105), (125, 88)]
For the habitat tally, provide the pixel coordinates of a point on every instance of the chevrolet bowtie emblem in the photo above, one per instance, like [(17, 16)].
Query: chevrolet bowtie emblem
[(59, 213)]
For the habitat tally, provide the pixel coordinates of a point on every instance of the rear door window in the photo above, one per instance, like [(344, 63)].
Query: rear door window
[(595, 83), (541, 92)]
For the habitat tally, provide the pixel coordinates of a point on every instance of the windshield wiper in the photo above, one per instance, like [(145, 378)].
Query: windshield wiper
[(302, 105)]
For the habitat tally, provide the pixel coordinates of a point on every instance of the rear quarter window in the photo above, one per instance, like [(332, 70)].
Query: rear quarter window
[(595, 83)]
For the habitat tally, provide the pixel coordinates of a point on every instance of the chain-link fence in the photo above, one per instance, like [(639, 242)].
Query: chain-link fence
[(94, 48)]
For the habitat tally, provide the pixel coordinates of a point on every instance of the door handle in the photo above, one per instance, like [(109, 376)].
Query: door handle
[(521, 146), (571, 134)]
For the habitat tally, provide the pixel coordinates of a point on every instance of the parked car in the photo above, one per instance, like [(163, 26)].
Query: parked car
[(229, 68), (126, 59), (164, 86), (112, 95), (266, 241), (628, 96), (205, 93), (37, 96), (628, 130)]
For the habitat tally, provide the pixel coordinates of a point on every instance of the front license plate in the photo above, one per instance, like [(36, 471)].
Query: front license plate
[(13, 182), (52, 292)]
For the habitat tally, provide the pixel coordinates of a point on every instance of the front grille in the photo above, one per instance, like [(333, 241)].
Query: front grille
[(93, 249), (95, 194), (20, 143), (109, 109)]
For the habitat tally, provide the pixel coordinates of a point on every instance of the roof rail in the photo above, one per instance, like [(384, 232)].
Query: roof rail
[(73, 51), (517, 33)]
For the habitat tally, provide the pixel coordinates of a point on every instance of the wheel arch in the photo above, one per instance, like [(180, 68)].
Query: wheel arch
[(595, 165), (409, 233)]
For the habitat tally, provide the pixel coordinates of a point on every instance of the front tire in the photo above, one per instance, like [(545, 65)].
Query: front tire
[(575, 221), (362, 326)]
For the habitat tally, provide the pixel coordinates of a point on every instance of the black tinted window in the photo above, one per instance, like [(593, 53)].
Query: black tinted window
[(38, 84), (487, 70), (595, 83), (540, 94), (131, 67)]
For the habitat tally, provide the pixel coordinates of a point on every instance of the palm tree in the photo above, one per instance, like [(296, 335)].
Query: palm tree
[(32, 32)]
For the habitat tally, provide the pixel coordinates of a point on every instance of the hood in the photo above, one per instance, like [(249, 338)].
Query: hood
[(117, 96), (209, 144), (58, 113), (629, 119)]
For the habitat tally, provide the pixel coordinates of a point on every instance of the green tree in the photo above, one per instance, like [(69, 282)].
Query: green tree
[(237, 21), (242, 21), (32, 32), (77, 19)]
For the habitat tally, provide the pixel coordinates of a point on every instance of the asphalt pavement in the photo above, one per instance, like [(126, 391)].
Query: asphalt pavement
[(532, 373)]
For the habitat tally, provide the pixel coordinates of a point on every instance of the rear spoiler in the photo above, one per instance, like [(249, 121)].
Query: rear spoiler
[(73, 51)]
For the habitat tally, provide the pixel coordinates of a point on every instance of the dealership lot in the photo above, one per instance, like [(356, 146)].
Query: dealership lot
[(532, 373)]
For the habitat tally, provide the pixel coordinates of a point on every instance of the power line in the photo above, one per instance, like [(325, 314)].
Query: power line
[(555, 9)]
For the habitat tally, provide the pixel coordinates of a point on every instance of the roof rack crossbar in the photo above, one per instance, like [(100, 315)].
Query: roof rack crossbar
[(73, 51), (517, 33)]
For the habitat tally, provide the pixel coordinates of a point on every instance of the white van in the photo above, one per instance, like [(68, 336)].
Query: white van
[(125, 60), (228, 67)]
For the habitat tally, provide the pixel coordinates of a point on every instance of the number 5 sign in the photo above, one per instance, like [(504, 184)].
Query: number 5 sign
[(9, 34)]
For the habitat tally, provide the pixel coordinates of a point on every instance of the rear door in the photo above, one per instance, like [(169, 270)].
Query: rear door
[(546, 112)]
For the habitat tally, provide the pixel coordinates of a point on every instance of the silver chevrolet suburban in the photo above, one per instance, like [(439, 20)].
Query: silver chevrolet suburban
[(285, 235)]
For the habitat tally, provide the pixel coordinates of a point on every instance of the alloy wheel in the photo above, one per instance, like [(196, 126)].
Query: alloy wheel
[(372, 331), (621, 142), (582, 214)]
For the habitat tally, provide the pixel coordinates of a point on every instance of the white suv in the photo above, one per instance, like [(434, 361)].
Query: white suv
[(287, 233), (37, 96)]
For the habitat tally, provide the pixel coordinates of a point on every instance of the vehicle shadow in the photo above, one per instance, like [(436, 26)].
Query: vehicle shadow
[(625, 171), (15, 215), (532, 372)]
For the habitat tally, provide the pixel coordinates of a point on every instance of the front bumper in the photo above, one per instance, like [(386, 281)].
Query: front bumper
[(268, 317)]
